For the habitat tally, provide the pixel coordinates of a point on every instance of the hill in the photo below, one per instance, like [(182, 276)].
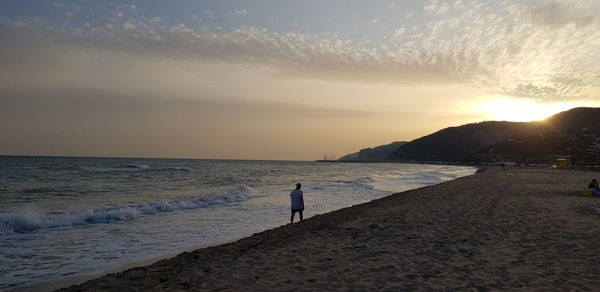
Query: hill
[(574, 133), (379, 153), (460, 143), (574, 119)]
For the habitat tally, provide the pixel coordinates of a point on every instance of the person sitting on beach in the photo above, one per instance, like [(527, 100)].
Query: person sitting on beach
[(297, 197), (594, 187)]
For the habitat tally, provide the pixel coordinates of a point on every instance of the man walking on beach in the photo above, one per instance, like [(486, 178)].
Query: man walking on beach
[(297, 197)]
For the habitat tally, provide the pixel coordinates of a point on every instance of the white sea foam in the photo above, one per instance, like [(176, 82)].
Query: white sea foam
[(358, 186), (362, 180), (431, 177), (184, 168), (29, 219), (394, 183)]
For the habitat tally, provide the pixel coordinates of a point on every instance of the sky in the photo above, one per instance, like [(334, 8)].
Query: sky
[(282, 79)]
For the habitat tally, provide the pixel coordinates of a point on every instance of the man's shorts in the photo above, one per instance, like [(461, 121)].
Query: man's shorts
[(297, 210)]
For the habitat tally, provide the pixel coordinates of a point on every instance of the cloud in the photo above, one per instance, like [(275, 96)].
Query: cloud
[(209, 13), (434, 7), (392, 6), (69, 10), (399, 32), (548, 51), (99, 104), (555, 15), (128, 25), (239, 12), (544, 51)]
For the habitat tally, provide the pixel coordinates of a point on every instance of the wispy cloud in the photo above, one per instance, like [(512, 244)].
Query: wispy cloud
[(209, 13), (399, 32), (239, 12), (106, 102), (69, 10), (127, 25), (546, 51), (435, 7)]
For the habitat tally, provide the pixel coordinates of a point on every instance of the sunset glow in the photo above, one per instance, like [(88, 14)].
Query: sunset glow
[(135, 130), (515, 110), (285, 79)]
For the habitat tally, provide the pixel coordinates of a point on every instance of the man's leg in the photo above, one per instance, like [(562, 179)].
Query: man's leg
[(300, 212), (292, 217)]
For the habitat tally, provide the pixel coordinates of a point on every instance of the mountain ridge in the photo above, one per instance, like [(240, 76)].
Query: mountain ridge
[(574, 133), (378, 153)]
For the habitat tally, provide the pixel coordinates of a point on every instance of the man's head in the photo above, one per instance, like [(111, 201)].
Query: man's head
[(298, 186)]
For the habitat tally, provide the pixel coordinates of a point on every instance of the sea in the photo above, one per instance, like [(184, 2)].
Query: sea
[(66, 217)]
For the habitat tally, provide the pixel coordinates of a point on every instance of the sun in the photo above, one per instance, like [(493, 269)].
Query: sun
[(518, 110)]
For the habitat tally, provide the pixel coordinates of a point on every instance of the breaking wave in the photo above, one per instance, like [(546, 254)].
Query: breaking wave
[(30, 219)]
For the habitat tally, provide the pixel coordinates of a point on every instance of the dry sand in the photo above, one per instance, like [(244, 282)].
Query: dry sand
[(521, 228)]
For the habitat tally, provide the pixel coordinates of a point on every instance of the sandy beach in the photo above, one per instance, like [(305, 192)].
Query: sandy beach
[(520, 228)]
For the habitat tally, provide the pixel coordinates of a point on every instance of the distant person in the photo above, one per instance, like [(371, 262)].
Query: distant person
[(502, 166), (594, 187), (297, 197)]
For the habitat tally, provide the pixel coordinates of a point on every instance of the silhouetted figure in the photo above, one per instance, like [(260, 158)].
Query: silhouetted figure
[(594, 186), (502, 166), (297, 197)]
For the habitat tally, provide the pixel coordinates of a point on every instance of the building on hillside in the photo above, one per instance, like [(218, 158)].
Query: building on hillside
[(593, 151)]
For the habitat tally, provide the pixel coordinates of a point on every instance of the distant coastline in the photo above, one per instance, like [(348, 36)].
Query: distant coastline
[(405, 162)]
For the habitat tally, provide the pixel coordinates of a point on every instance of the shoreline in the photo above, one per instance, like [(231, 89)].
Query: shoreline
[(123, 265), (61, 285), (491, 230), (58, 284)]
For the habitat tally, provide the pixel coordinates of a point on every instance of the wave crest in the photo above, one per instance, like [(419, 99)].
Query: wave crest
[(30, 218)]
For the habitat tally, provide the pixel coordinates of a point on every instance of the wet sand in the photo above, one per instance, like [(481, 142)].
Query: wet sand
[(520, 228)]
